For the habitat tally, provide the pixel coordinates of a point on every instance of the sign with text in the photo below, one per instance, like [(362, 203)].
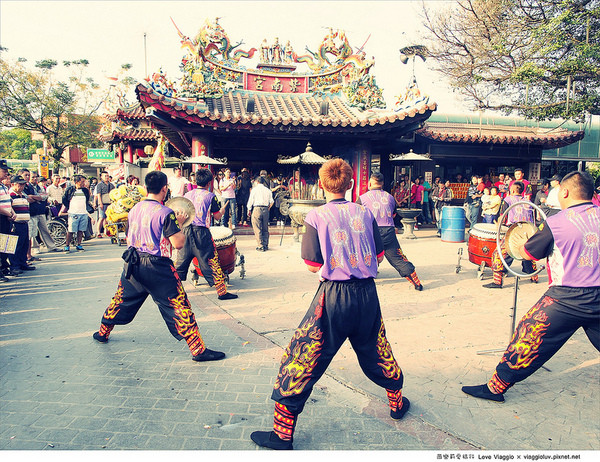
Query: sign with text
[(363, 173), (275, 83), (535, 169), (44, 162), (100, 154)]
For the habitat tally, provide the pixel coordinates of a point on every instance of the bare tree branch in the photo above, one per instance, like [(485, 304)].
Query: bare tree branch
[(497, 52)]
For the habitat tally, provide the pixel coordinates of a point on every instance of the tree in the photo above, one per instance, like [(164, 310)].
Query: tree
[(539, 58), (17, 144), (64, 112)]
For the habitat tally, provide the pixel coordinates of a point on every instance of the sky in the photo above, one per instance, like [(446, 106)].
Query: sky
[(111, 33)]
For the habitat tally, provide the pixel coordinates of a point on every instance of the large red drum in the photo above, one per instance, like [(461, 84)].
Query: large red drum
[(482, 242), (225, 243)]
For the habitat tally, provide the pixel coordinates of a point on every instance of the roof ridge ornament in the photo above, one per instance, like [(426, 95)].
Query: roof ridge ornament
[(211, 68), (412, 94)]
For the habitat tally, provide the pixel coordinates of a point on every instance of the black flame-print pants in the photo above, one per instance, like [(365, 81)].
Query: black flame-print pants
[(547, 326), (339, 311), (393, 252), (157, 277)]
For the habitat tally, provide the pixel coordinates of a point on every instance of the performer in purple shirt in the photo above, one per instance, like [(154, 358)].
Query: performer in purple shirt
[(342, 244), (383, 206), (198, 239), (571, 242), (153, 231)]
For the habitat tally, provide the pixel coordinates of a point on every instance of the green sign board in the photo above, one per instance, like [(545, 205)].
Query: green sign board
[(100, 154)]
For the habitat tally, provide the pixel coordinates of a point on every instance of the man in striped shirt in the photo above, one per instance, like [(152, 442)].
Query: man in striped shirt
[(20, 226), (7, 216)]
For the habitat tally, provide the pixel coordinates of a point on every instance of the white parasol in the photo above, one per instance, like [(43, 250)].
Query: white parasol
[(204, 160), (409, 157), (307, 157)]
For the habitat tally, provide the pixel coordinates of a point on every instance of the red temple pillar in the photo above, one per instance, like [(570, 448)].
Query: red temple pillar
[(200, 147), (120, 155), (129, 154)]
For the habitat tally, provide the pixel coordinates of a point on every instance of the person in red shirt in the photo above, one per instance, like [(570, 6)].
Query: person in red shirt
[(520, 176), (480, 184), (486, 181), (502, 186), (400, 193), (416, 198)]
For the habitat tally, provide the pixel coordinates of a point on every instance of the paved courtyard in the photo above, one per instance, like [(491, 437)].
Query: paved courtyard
[(59, 389)]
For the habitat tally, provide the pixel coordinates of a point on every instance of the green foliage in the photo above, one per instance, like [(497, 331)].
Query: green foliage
[(129, 81), (64, 112), (46, 64), (540, 58), (17, 144), (593, 168)]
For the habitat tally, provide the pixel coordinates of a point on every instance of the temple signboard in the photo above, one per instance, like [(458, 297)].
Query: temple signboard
[(275, 83)]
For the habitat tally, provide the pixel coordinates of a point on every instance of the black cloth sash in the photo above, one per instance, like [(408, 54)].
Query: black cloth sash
[(132, 258)]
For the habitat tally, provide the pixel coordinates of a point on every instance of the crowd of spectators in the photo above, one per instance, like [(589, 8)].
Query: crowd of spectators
[(234, 188), (29, 201)]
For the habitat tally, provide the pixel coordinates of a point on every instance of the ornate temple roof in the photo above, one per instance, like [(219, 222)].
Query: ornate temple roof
[(304, 111), (334, 94), (140, 134), (127, 123), (498, 134), (133, 112)]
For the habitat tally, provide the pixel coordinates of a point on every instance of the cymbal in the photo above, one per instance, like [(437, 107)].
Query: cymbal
[(517, 235), (185, 205)]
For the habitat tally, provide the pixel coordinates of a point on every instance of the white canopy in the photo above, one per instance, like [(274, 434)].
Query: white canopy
[(307, 157), (409, 157), (203, 160)]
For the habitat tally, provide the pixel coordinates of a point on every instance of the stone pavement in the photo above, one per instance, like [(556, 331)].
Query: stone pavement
[(59, 389)]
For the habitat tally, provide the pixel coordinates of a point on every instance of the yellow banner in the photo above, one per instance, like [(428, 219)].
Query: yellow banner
[(44, 165)]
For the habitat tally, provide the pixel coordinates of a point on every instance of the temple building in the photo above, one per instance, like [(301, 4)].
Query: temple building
[(329, 98), (129, 133), (463, 144), (221, 109)]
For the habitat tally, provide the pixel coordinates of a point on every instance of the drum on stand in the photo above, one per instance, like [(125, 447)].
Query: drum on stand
[(482, 243), (225, 243)]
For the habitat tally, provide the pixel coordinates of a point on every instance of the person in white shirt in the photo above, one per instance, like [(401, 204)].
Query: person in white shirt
[(55, 191), (259, 203), (552, 200), (218, 177), (75, 201), (177, 183), (227, 186)]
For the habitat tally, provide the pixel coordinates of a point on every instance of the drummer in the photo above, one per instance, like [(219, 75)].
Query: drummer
[(520, 213), (153, 230), (383, 207), (569, 240), (198, 240)]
